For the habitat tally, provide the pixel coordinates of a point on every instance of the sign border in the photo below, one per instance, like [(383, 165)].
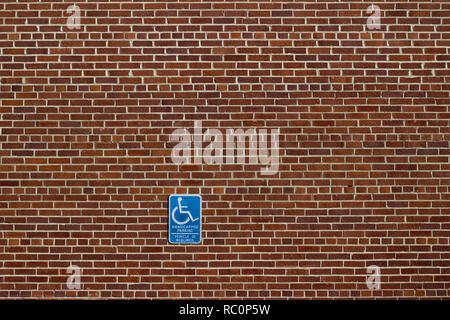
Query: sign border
[(170, 220)]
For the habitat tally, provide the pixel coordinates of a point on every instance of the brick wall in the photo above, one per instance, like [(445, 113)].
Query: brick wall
[(85, 168)]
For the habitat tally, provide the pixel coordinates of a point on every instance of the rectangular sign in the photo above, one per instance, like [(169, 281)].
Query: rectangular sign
[(185, 218)]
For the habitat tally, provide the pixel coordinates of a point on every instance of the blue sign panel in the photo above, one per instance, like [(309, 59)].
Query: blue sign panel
[(185, 218)]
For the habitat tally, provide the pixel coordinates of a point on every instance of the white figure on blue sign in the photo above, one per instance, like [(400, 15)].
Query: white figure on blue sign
[(185, 218), (180, 210)]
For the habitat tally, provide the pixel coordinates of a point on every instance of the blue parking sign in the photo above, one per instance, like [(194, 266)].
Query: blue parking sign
[(185, 218)]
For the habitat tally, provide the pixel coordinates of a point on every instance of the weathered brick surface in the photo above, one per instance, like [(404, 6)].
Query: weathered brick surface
[(85, 166)]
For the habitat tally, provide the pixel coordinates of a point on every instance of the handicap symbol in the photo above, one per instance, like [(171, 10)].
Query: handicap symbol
[(181, 210)]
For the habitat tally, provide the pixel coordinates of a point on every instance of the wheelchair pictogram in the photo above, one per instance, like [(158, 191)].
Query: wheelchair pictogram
[(180, 208)]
